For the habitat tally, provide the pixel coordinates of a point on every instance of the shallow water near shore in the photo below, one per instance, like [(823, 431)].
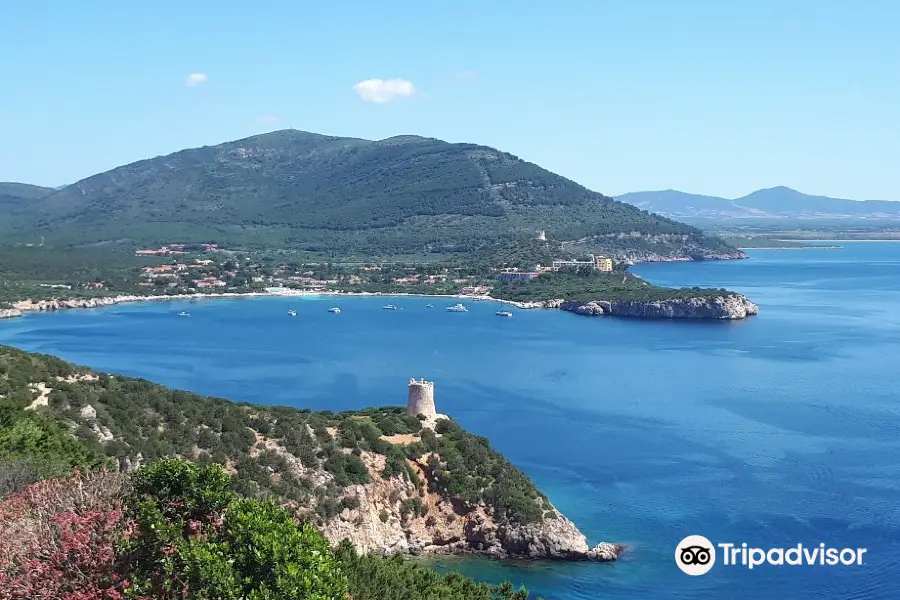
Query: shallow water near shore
[(777, 430)]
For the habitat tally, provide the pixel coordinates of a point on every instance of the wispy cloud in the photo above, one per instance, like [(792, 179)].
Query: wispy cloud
[(268, 120), (380, 91), (467, 76), (195, 79)]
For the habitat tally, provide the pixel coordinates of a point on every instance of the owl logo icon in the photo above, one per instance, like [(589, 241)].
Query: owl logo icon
[(695, 555)]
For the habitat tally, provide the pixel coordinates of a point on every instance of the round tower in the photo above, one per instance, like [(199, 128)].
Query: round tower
[(421, 398)]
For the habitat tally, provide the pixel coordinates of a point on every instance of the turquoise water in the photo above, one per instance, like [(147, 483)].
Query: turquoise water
[(777, 430)]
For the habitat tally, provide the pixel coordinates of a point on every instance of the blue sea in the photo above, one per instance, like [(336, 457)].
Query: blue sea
[(773, 431)]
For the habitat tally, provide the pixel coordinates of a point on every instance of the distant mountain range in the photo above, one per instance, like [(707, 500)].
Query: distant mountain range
[(778, 203), (336, 196)]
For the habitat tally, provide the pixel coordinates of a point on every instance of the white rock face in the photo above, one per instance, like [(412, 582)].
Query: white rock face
[(724, 307), (379, 524)]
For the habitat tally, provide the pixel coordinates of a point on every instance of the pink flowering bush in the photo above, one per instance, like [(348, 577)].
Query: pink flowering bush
[(59, 539)]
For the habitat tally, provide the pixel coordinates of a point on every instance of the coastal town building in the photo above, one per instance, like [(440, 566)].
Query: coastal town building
[(517, 275), (597, 262), (475, 290), (603, 264), (162, 250)]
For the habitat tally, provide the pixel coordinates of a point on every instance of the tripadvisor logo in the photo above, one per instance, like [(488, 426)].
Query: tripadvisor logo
[(696, 555)]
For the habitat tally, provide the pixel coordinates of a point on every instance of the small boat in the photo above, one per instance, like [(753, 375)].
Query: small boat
[(503, 313), (389, 307), (292, 312), (457, 308), (429, 306), (335, 310), (184, 313)]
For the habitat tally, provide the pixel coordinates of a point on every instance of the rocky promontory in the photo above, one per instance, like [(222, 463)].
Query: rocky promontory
[(389, 479), (719, 307), (380, 521), (9, 313)]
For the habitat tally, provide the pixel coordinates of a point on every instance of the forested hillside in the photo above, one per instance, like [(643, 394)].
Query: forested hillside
[(344, 196), (133, 516)]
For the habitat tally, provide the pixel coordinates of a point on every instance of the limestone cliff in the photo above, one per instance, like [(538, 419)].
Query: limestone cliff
[(721, 307), (8, 313), (724, 307), (640, 247), (394, 515)]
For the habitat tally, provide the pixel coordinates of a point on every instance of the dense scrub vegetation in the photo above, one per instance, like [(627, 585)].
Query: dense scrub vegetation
[(304, 458), (589, 286), (35, 446), (180, 529), (342, 196), (395, 578), (176, 530)]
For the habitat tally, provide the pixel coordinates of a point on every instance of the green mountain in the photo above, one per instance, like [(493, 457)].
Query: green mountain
[(771, 204), (404, 195), (18, 199)]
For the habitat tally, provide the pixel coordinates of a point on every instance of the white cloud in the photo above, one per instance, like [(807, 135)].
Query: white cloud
[(380, 91), (195, 79), (267, 120), (468, 76)]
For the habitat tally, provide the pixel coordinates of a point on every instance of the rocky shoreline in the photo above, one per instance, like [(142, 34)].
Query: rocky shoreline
[(727, 306), (723, 307), (376, 523)]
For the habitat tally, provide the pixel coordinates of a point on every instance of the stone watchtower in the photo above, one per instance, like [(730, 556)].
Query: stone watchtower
[(421, 399)]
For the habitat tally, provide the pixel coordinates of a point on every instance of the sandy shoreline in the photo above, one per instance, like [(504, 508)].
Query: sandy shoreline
[(26, 306)]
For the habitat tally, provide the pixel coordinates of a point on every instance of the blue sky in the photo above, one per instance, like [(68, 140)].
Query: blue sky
[(709, 97)]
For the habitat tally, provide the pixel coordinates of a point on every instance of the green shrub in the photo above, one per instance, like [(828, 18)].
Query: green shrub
[(197, 540)]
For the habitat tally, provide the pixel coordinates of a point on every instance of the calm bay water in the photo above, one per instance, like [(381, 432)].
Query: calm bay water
[(777, 430)]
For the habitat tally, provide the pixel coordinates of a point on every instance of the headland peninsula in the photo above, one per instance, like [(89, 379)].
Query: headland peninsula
[(535, 274), (379, 482)]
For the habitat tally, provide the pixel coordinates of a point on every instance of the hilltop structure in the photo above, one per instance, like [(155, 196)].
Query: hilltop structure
[(421, 398), (421, 402)]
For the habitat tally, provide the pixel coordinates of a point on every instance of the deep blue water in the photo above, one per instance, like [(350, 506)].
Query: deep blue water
[(777, 430)]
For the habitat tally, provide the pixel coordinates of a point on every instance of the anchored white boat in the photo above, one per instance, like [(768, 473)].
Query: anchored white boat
[(457, 308), (389, 307), (184, 313), (335, 310), (503, 313), (292, 312)]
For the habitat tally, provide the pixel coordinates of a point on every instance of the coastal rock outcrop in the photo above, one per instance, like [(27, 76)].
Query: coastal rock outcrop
[(721, 307), (724, 307), (9, 313), (378, 518), (637, 257)]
